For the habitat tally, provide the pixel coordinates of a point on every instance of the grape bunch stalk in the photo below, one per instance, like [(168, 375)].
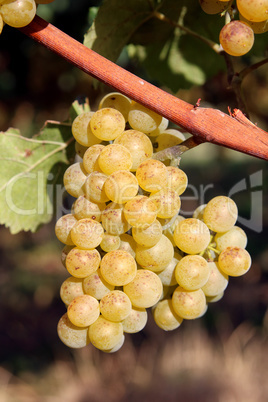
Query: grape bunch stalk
[(127, 248)]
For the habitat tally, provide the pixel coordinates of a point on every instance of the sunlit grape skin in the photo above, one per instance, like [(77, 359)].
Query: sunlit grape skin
[(191, 236), (18, 14), (105, 334), (253, 10), (236, 38), (234, 261), (220, 214), (71, 335)]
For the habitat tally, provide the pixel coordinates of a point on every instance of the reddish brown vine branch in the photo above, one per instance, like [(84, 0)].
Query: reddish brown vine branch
[(206, 124)]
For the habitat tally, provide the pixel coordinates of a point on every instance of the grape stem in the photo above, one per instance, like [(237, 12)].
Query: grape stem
[(205, 124)]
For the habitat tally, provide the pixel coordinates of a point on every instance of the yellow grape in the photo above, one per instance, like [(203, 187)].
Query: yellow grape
[(83, 208), (157, 257), (234, 261), (115, 306), (236, 38), (63, 229), (107, 124), (217, 281), (71, 335), (113, 219), (162, 127), (165, 316), (152, 175), (167, 276), (189, 304), (74, 179), (127, 243), (234, 237), (167, 201), (18, 13), (64, 253), (94, 187), (148, 236), (140, 211), (121, 186), (135, 321), (81, 263), (220, 214), (87, 233), (82, 132), (116, 101), (253, 10), (214, 6), (95, 285), (143, 119), (71, 288), (105, 334), (192, 272), (80, 149), (110, 242), (83, 310), (177, 179), (192, 236), (257, 27), (168, 138), (90, 158), (118, 267), (114, 157)]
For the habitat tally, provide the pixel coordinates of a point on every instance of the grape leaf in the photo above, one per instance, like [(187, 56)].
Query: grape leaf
[(28, 175)]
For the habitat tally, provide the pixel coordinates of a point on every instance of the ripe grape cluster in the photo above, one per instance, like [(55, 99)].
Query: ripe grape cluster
[(18, 13), (127, 249), (237, 36)]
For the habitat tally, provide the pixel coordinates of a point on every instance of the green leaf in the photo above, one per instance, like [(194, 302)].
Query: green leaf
[(28, 175)]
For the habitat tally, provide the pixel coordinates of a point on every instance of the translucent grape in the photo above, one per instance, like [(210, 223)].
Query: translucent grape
[(257, 27), (81, 263), (82, 132), (83, 208), (157, 257), (148, 236), (90, 158), (95, 285), (234, 261), (113, 219), (167, 276), (138, 145), (71, 288), (107, 124), (253, 10), (115, 306), (121, 186), (217, 281), (167, 201), (192, 272), (135, 321), (235, 237), (74, 179), (83, 310), (114, 157), (143, 119), (220, 214), (191, 236), (168, 138), (145, 289), (127, 243), (71, 335), (152, 175), (116, 101), (63, 229), (165, 316), (110, 242), (214, 6), (118, 267), (116, 347), (94, 187), (177, 179), (105, 334), (236, 38), (18, 13), (199, 212), (162, 127), (188, 304), (87, 233), (140, 211), (214, 299)]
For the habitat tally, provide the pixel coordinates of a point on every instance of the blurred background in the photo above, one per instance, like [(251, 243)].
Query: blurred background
[(220, 357)]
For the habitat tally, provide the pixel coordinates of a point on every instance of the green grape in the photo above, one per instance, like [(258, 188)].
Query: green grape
[(107, 124), (214, 6), (83, 310), (143, 119), (82, 132), (80, 149), (18, 13), (121, 186), (165, 316), (71, 288), (253, 10), (217, 281), (71, 335), (235, 237), (188, 304), (236, 38), (95, 285), (110, 242), (162, 127), (105, 334), (192, 272), (145, 289), (83, 208), (74, 179), (90, 158), (116, 101), (81, 263), (167, 276), (234, 261), (157, 257), (63, 229), (168, 138), (257, 27), (138, 145), (115, 306), (127, 243), (148, 236), (87, 233), (220, 214), (191, 236), (167, 201), (135, 321), (140, 211), (94, 188), (152, 175), (113, 219), (114, 157), (118, 267), (177, 179)]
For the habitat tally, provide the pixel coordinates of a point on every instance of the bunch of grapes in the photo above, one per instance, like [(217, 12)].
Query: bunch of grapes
[(127, 249), (18, 13), (237, 36)]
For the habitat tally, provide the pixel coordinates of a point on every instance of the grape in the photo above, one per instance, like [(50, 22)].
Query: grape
[(81, 263), (107, 124), (188, 304), (18, 13), (110, 242), (199, 212), (127, 243), (192, 272), (236, 38), (177, 179), (113, 219), (143, 119), (253, 10), (235, 237), (214, 299), (116, 347), (191, 236), (157, 257), (162, 127), (94, 187), (90, 158), (87, 233), (83, 310), (148, 236), (165, 316), (118, 267), (217, 281), (83, 208), (95, 285), (167, 201), (74, 179), (80, 149), (234, 261), (63, 229), (64, 253), (121, 186), (105, 334), (167, 276), (115, 306), (82, 132), (168, 138), (116, 101), (114, 157), (135, 321), (71, 288), (257, 27), (145, 289), (140, 211), (214, 6), (138, 145), (152, 175), (168, 226), (71, 335), (220, 214)]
